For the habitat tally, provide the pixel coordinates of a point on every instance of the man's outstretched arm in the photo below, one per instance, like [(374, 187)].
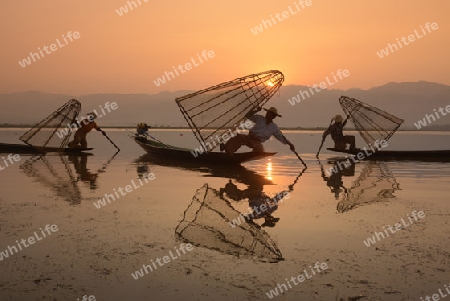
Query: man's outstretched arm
[(253, 112)]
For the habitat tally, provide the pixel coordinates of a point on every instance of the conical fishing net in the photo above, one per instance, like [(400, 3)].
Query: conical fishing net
[(212, 111), (372, 123), (206, 223), (54, 130)]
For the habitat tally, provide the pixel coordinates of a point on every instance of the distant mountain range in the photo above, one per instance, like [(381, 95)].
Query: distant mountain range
[(410, 101)]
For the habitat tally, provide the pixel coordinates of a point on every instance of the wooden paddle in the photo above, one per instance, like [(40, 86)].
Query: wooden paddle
[(323, 140), (298, 156), (104, 134)]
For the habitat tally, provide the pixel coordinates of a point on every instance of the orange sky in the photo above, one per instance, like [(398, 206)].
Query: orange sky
[(125, 54)]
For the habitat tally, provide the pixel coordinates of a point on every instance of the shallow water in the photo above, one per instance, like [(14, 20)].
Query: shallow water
[(325, 219)]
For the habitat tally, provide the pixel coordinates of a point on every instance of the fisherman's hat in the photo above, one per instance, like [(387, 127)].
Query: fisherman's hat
[(338, 118), (273, 110), (92, 114)]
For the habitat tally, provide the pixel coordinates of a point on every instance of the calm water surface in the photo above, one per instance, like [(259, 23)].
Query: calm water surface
[(324, 216)]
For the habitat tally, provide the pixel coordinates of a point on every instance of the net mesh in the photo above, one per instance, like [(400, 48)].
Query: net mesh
[(212, 111), (54, 173), (376, 183), (372, 123), (206, 223), (54, 131)]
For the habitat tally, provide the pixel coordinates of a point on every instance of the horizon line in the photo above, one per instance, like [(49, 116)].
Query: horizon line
[(188, 90)]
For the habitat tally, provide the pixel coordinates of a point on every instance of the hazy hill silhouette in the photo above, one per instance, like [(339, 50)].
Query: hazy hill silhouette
[(410, 101)]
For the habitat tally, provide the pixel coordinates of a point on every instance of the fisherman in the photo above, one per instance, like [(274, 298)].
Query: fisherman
[(261, 131), (335, 129), (87, 124), (142, 129)]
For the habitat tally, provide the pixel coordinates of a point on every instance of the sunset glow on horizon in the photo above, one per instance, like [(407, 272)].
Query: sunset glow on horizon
[(117, 47)]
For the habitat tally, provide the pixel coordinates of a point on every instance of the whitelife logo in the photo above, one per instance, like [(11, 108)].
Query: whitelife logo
[(391, 48), (398, 226), (430, 118), (323, 85), (265, 24), (128, 188), (300, 278), (49, 49), (206, 147), (11, 250), (124, 9), (169, 75), (12, 158), (161, 261), (74, 126)]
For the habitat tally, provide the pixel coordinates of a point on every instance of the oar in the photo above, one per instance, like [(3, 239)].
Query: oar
[(323, 140), (298, 156), (320, 147), (104, 134)]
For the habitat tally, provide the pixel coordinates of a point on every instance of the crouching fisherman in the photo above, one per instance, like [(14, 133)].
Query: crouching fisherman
[(262, 130), (87, 125), (336, 131)]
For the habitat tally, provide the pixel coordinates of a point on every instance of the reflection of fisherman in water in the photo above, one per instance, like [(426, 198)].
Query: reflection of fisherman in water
[(84, 174), (142, 169), (334, 179), (261, 205)]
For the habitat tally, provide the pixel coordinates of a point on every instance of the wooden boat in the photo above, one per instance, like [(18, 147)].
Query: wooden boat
[(412, 155), (168, 151), (28, 149), (375, 125)]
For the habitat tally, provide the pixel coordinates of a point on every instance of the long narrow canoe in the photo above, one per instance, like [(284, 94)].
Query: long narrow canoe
[(413, 155), (28, 149), (168, 151)]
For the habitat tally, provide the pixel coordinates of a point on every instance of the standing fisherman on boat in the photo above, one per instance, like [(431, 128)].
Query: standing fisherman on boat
[(262, 130), (336, 131), (87, 125)]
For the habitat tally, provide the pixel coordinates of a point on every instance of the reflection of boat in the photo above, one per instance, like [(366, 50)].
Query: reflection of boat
[(30, 149), (387, 155), (167, 151), (56, 173), (51, 134), (207, 223), (376, 183), (237, 172), (374, 126)]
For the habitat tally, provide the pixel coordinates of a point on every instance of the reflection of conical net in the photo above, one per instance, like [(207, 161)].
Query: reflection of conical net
[(372, 123), (375, 184), (206, 224), (223, 106), (46, 132), (55, 173)]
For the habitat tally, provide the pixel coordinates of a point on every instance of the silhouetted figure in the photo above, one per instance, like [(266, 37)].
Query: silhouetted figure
[(87, 125), (336, 131), (262, 130)]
